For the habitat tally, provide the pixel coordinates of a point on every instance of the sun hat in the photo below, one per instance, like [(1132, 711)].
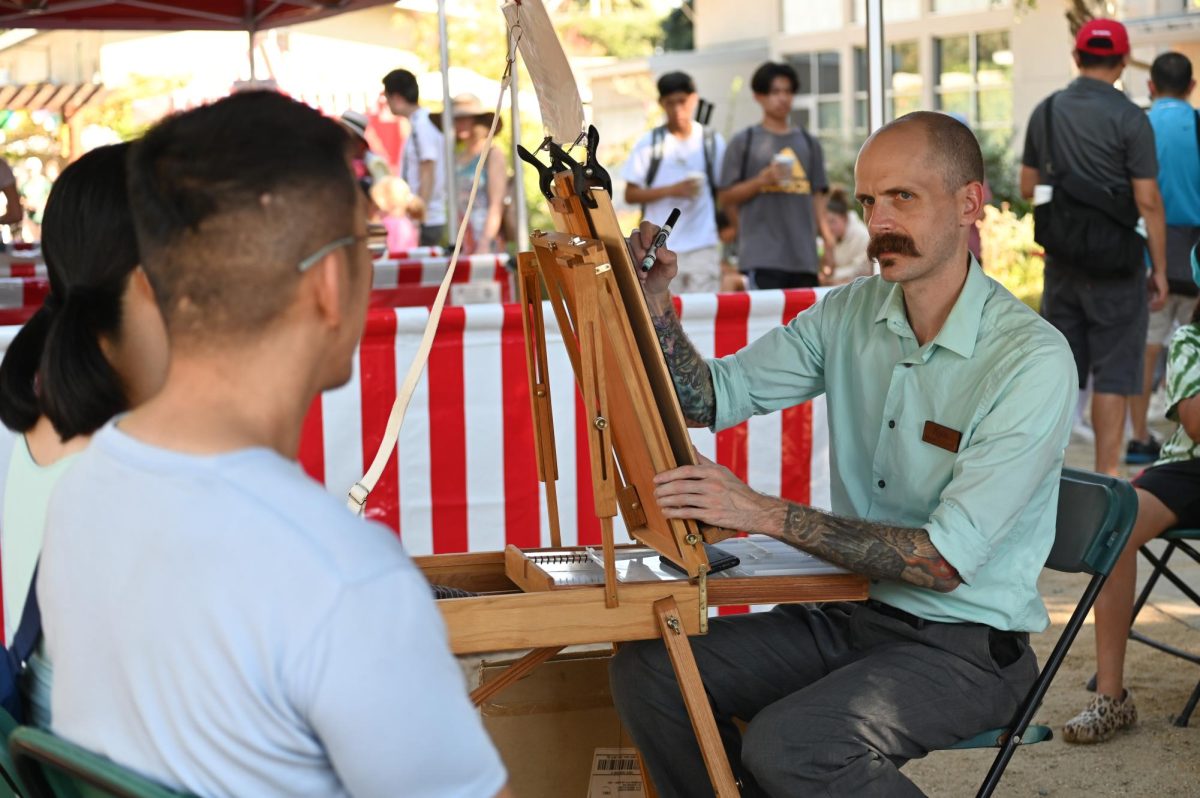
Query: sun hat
[(464, 106), (356, 122)]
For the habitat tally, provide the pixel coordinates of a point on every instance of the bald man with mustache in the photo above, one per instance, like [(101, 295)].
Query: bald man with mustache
[(949, 405)]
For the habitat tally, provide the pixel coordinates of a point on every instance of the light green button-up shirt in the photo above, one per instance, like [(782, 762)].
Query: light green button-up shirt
[(997, 373)]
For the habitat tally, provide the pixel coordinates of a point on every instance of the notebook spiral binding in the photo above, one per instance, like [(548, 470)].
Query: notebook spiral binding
[(560, 559)]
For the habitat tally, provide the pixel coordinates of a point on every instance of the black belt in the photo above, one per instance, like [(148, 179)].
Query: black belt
[(1006, 646), (915, 621)]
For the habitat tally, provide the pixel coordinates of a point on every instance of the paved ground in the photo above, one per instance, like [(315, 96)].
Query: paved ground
[(1155, 759)]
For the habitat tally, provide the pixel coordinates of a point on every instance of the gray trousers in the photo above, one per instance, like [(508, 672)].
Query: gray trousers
[(838, 697)]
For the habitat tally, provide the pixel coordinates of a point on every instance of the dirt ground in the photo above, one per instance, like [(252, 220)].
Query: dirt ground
[(1154, 759)]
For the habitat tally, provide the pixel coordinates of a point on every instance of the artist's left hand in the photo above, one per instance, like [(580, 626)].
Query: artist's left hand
[(711, 494)]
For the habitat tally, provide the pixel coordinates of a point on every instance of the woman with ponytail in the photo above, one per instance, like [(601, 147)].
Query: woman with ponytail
[(96, 348)]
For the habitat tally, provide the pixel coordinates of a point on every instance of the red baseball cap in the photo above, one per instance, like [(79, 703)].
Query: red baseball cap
[(1102, 37)]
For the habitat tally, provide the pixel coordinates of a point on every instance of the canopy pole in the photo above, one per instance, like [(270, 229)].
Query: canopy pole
[(447, 121), (250, 35), (876, 86), (518, 196)]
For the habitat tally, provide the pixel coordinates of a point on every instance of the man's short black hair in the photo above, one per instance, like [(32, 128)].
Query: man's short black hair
[(227, 200), (952, 145), (1093, 61), (1171, 74), (675, 82), (765, 75), (404, 83)]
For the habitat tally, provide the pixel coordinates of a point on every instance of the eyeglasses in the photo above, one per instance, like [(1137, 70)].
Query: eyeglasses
[(336, 244)]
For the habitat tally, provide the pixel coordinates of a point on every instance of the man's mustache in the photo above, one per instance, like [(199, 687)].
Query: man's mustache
[(896, 243)]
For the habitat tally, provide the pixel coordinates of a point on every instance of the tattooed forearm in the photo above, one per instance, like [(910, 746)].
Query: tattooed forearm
[(693, 380), (865, 547)]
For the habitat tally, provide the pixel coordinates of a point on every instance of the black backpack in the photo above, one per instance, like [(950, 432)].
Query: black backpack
[(1086, 226)]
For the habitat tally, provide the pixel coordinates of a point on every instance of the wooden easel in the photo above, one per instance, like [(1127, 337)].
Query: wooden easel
[(636, 430)]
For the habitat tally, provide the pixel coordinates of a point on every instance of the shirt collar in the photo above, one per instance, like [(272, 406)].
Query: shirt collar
[(1084, 83), (961, 330)]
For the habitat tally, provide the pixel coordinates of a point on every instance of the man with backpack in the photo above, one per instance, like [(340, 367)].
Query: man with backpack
[(1091, 170), (674, 166), (774, 175), (1177, 139)]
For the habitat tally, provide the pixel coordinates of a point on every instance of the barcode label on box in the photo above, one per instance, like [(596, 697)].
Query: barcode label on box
[(615, 764), (615, 774)]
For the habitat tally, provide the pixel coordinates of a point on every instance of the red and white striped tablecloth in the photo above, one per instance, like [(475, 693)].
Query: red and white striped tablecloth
[(464, 477)]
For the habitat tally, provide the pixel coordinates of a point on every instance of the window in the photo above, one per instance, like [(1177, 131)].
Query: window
[(893, 10), (964, 6), (819, 98), (810, 16), (902, 65), (974, 78), (904, 86)]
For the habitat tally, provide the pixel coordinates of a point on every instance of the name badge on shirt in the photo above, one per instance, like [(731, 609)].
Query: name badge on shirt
[(941, 437)]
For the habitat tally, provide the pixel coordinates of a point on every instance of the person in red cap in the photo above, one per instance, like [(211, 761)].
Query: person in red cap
[(1091, 169)]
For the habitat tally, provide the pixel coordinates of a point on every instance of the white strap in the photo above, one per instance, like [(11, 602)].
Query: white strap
[(358, 494)]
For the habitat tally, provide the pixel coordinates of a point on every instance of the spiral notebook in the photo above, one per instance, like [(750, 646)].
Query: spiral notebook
[(759, 555)]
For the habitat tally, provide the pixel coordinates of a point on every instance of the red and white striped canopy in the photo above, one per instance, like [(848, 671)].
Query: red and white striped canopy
[(249, 15)]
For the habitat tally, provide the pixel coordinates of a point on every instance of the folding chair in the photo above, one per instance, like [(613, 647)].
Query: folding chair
[(1095, 516), (54, 768), (10, 785), (1177, 540)]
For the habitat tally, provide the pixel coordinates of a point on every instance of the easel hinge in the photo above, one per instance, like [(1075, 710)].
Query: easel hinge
[(631, 507), (703, 585)]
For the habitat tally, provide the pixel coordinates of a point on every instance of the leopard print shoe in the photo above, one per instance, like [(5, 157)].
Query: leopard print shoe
[(1103, 717)]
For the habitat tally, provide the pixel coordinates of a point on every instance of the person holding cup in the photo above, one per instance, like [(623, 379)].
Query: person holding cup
[(674, 166), (774, 175)]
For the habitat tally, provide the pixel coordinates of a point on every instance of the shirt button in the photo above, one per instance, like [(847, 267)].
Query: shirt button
[(882, 484), (891, 425)]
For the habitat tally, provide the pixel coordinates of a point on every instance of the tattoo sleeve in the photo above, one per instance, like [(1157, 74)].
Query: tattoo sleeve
[(876, 550), (693, 380)]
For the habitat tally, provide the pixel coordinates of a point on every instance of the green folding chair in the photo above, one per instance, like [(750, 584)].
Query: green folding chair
[(1178, 539), (54, 768), (10, 784), (1095, 516)]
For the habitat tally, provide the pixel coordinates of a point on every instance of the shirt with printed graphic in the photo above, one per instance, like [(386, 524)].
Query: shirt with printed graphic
[(1183, 382), (776, 227)]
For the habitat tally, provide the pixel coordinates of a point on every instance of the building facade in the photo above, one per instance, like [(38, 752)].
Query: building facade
[(989, 61)]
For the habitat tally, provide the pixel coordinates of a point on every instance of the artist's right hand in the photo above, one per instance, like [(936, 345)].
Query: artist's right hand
[(656, 282)]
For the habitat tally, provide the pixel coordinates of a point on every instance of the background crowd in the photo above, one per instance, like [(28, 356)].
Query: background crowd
[(1117, 198)]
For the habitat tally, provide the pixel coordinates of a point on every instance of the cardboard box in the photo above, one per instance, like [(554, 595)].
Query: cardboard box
[(558, 733)]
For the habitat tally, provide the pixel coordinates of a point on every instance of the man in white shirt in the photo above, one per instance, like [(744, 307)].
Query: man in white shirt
[(423, 162), (217, 621), (673, 166)]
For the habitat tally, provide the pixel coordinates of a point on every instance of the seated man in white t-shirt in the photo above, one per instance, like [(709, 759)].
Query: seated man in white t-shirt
[(674, 166), (217, 620)]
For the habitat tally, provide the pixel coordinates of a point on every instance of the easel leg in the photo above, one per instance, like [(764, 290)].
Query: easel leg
[(539, 385), (694, 697), (513, 673)]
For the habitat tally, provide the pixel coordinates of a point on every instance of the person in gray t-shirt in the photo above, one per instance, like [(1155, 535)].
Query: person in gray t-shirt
[(1099, 135), (774, 174)]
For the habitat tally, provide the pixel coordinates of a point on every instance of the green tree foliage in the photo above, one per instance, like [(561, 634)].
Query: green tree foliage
[(678, 30)]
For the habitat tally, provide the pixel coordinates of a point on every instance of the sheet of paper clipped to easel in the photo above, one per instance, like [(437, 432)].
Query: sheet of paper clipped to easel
[(759, 555)]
